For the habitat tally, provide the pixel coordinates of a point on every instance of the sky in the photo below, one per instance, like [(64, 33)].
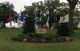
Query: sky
[(19, 4)]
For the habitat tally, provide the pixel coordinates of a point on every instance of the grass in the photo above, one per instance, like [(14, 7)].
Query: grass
[(6, 44)]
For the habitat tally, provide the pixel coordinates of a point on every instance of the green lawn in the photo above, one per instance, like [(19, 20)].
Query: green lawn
[(6, 44)]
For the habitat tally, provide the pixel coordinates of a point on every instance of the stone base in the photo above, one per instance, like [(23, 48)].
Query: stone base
[(63, 38)]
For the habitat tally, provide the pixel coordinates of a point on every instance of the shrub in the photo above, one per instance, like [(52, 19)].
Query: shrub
[(29, 25)]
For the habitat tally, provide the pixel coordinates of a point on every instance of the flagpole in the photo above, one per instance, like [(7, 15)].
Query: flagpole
[(18, 21), (47, 22), (10, 19), (35, 11)]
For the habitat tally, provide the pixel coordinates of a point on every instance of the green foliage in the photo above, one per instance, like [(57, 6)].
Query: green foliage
[(6, 9), (6, 44), (63, 29), (51, 9), (29, 25), (36, 37), (48, 8), (72, 5)]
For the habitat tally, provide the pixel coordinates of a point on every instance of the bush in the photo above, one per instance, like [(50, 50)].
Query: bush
[(34, 37), (64, 29), (29, 25)]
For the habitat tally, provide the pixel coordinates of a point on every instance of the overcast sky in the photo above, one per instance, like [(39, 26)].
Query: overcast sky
[(19, 4)]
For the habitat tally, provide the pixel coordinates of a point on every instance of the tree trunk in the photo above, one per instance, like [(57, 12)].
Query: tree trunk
[(71, 13), (66, 28), (3, 24)]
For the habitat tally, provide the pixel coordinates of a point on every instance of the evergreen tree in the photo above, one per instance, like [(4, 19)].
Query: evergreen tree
[(29, 25)]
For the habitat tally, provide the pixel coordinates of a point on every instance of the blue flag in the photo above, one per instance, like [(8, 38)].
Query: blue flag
[(21, 18)]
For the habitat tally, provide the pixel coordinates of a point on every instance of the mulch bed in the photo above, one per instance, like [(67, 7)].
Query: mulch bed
[(43, 40)]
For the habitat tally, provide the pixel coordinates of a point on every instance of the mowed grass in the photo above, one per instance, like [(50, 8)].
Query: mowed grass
[(6, 44)]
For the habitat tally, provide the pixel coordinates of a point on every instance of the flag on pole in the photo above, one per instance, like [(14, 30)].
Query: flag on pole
[(10, 19), (35, 14), (20, 20), (21, 16), (47, 23)]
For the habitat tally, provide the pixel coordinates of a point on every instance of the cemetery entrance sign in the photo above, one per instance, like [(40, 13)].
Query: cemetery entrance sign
[(41, 30)]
